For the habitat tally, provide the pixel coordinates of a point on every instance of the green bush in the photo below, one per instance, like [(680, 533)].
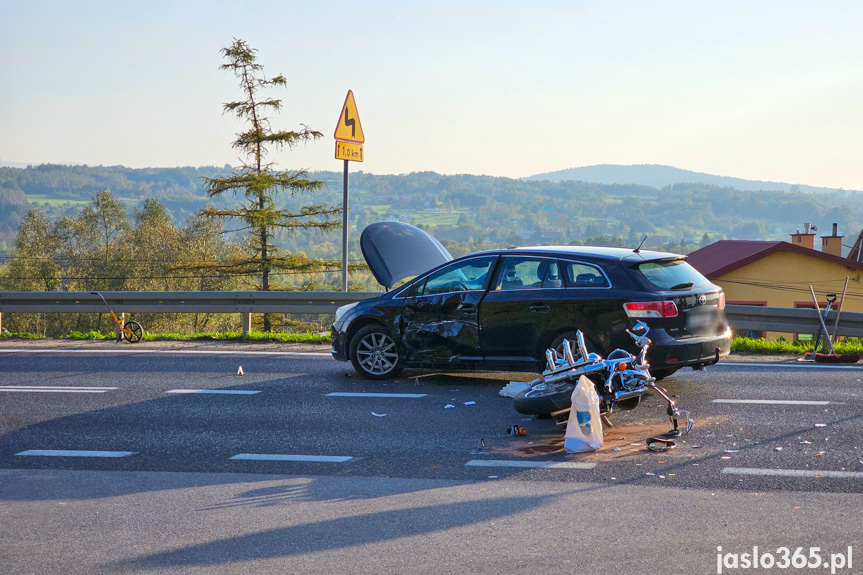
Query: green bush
[(19, 335), (89, 335)]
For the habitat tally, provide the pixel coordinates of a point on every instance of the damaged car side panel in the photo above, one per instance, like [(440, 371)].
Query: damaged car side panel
[(439, 320)]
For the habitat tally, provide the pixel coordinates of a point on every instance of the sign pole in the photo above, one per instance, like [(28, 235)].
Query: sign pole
[(345, 232), (349, 147)]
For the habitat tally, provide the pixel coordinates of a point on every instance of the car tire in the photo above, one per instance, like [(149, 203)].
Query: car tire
[(543, 399), (375, 353), (557, 344)]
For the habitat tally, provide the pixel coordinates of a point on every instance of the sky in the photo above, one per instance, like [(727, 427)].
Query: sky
[(755, 89)]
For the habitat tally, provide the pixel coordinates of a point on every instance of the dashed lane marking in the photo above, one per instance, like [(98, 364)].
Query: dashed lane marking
[(774, 401), (286, 457), (216, 391), (394, 395), (74, 453), (529, 464), (54, 389), (127, 351), (806, 365), (807, 473)]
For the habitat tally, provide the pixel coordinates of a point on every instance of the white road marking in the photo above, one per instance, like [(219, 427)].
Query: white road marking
[(810, 365), (808, 473), (396, 395), (283, 457), (127, 351), (773, 401), (532, 464), (216, 391), (56, 389), (74, 453)]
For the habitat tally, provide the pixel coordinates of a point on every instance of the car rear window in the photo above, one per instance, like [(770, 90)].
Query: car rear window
[(671, 274)]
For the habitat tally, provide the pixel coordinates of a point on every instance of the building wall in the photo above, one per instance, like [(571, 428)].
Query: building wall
[(782, 280)]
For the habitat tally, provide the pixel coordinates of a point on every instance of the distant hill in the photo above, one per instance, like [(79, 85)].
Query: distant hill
[(466, 212), (660, 177)]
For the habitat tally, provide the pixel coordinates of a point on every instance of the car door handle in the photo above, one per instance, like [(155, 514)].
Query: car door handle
[(466, 307), (540, 308)]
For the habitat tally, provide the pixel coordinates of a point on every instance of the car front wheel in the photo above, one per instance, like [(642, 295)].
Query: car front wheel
[(375, 354)]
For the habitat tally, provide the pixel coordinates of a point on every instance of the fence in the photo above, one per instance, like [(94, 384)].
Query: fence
[(248, 302)]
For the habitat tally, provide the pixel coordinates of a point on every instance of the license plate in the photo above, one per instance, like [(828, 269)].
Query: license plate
[(698, 320)]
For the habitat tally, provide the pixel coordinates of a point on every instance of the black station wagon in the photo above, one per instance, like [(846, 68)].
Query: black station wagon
[(501, 309)]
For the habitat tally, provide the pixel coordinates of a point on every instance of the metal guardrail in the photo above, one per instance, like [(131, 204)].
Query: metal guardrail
[(245, 302), (791, 320), (181, 302)]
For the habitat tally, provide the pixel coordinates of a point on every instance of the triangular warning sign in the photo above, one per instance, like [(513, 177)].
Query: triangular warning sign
[(349, 128)]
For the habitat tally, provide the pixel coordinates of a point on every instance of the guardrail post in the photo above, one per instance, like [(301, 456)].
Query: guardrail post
[(1, 322), (247, 324)]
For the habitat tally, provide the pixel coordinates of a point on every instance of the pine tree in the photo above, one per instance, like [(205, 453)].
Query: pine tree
[(259, 182)]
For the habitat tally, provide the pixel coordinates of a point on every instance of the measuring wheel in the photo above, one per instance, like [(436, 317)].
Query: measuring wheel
[(133, 332)]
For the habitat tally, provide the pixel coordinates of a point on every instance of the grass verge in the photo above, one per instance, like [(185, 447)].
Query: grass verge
[(782, 346), (254, 336)]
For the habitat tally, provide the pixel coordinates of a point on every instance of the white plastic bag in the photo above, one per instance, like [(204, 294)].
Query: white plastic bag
[(584, 429)]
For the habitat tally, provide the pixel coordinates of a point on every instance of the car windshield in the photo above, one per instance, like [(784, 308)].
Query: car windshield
[(460, 276), (671, 274)]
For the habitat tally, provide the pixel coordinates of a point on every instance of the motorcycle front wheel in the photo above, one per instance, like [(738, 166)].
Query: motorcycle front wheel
[(544, 399)]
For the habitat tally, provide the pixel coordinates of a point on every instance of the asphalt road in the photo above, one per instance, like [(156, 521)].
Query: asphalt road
[(117, 459)]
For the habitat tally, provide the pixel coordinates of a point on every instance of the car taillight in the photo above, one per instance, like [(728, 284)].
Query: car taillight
[(722, 300), (650, 309)]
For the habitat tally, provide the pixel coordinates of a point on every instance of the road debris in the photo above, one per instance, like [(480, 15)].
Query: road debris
[(480, 448), (470, 403), (240, 371), (513, 388), (379, 414)]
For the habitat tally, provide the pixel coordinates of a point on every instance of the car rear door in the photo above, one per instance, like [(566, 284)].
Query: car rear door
[(515, 312)]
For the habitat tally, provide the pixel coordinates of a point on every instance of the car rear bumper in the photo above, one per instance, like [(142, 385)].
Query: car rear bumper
[(666, 352)]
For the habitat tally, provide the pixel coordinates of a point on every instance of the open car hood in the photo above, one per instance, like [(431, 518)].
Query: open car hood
[(395, 251)]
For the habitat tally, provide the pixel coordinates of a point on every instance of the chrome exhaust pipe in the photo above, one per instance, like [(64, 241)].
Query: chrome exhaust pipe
[(624, 395)]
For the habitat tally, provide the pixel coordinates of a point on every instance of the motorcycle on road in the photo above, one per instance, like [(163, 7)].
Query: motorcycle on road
[(620, 380)]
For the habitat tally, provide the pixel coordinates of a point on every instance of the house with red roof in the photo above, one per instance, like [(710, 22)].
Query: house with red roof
[(779, 273)]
